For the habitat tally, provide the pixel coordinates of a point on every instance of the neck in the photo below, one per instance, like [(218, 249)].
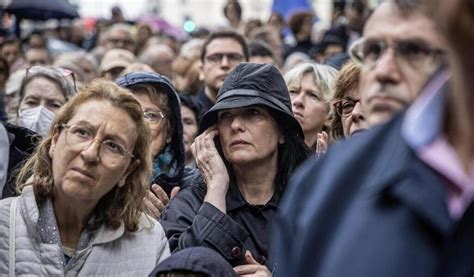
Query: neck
[(459, 120), (310, 137), (210, 93), (72, 218), (256, 181)]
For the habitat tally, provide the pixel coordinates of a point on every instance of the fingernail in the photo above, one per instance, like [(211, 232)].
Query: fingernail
[(154, 186)]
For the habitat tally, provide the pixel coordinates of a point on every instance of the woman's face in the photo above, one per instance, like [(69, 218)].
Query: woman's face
[(248, 135), (42, 92), (84, 172), (308, 105), (190, 126), (355, 122), (158, 129)]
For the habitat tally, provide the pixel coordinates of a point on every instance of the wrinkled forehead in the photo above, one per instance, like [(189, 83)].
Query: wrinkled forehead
[(390, 24)]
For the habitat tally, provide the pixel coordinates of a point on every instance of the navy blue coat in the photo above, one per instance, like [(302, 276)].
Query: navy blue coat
[(370, 207)]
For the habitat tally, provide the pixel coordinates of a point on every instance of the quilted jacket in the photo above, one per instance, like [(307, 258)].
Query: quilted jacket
[(110, 252)]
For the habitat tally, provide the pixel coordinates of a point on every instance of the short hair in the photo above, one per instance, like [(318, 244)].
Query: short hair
[(120, 204), (223, 35), (346, 80), (51, 73), (296, 20), (260, 48), (323, 75), (159, 97)]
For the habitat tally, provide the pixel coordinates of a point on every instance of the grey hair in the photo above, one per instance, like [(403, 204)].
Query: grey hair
[(324, 76), (50, 73), (120, 26)]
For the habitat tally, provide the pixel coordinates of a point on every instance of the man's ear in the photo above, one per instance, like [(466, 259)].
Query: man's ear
[(54, 139)]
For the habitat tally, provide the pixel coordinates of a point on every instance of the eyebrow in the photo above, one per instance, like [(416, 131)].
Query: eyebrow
[(106, 136)]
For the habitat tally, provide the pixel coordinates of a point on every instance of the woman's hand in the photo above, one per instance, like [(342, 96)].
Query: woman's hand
[(322, 143), (154, 202), (252, 268), (212, 167)]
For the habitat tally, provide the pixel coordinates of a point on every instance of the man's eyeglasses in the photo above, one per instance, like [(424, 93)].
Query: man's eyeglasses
[(66, 73), (111, 152), (232, 58), (153, 117), (344, 107), (125, 42), (414, 53)]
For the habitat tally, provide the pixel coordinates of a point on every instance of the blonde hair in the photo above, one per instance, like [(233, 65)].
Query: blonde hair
[(121, 204), (323, 76)]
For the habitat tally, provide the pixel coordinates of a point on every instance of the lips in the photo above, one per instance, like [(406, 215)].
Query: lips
[(358, 132), (298, 115), (238, 142), (83, 172)]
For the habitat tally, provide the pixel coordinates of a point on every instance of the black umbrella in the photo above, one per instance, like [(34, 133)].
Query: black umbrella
[(42, 9)]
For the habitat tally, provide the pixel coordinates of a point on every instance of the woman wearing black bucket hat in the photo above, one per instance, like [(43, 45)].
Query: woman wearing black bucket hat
[(249, 144)]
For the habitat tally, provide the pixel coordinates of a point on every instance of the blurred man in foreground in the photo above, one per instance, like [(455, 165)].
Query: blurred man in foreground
[(400, 202)]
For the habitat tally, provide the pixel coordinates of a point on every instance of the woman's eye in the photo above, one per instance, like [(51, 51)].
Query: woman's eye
[(82, 132), (113, 147), (224, 115)]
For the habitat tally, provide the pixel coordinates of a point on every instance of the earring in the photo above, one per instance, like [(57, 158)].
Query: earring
[(121, 183), (281, 139)]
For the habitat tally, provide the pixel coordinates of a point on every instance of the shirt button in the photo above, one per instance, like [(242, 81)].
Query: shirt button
[(236, 252)]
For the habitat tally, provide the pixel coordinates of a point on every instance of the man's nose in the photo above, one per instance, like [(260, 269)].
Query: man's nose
[(387, 68)]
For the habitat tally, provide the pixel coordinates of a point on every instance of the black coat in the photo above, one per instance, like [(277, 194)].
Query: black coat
[(23, 142), (371, 207), (189, 221)]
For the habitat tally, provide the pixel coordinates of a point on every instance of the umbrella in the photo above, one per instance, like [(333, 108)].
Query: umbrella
[(42, 9)]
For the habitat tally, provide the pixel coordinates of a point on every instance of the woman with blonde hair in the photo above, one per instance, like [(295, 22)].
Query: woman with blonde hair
[(311, 90), (80, 208)]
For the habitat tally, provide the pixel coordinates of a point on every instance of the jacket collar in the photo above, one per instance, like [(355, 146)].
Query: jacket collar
[(105, 234), (235, 199), (402, 176)]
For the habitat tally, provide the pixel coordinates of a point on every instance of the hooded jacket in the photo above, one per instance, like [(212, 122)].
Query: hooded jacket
[(173, 154)]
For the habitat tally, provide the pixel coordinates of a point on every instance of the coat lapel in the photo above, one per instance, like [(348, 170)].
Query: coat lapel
[(405, 177)]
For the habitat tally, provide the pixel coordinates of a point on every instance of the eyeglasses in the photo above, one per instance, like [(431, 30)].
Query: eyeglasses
[(62, 71), (153, 117), (232, 58), (413, 53), (344, 107), (80, 138)]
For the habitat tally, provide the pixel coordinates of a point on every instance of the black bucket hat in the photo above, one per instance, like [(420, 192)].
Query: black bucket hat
[(252, 84)]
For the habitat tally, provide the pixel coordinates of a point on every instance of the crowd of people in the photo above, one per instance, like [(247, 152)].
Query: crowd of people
[(256, 149)]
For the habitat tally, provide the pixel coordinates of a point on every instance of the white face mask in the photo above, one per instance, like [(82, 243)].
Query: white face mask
[(38, 119)]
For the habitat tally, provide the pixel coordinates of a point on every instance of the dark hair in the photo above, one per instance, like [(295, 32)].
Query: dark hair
[(296, 20), (12, 40), (233, 4), (191, 102), (260, 48), (222, 35), (4, 62)]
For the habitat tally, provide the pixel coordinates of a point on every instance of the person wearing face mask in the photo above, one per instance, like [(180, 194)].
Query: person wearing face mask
[(42, 92)]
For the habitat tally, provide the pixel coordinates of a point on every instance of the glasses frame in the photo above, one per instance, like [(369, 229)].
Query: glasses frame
[(355, 52), (125, 153), (338, 106), (162, 116), (222, 55)]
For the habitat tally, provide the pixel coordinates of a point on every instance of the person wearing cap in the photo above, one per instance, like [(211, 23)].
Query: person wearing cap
[(162, 111), (114, 62), (248, 147)]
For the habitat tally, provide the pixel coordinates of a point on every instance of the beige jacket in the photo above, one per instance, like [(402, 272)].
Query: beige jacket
[(111, 252)]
